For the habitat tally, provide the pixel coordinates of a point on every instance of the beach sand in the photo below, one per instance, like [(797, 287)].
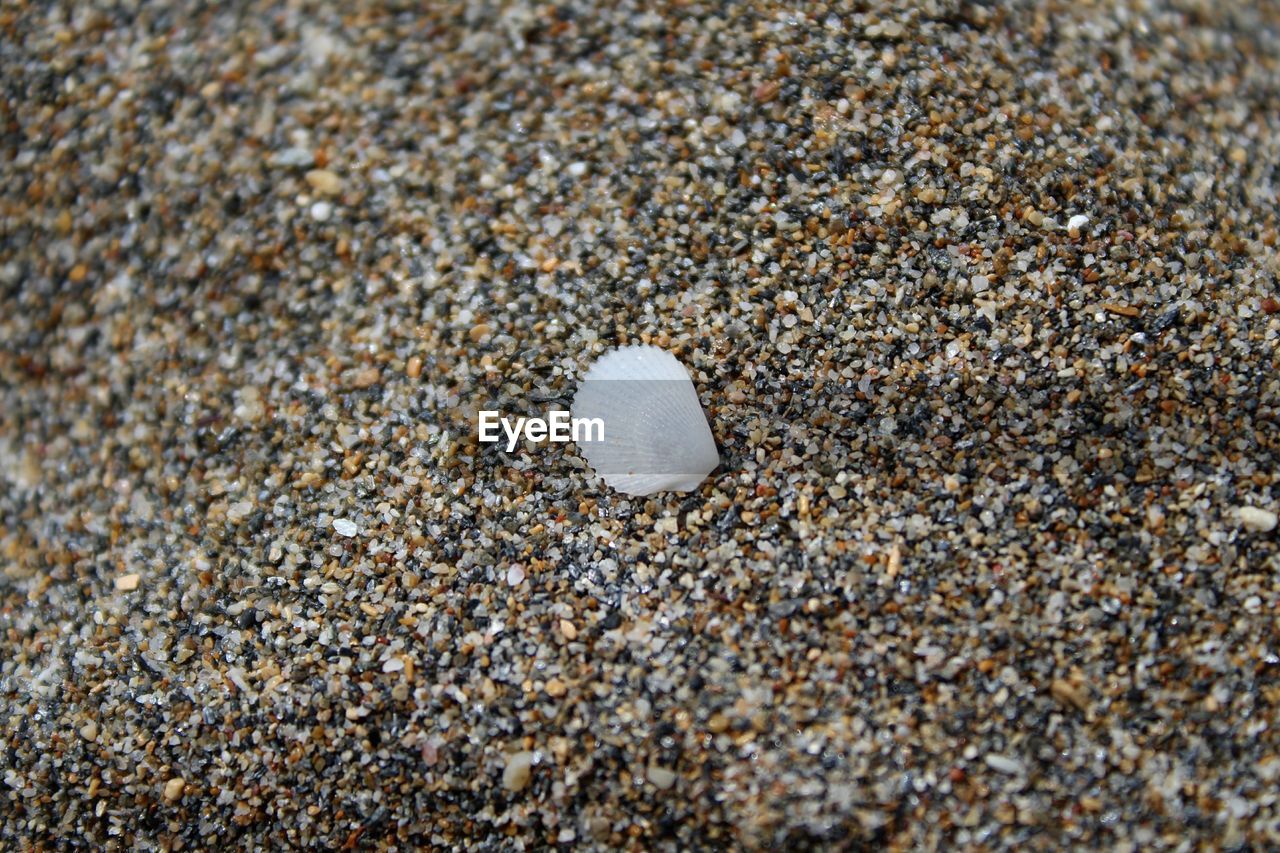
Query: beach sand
[(980, 301)]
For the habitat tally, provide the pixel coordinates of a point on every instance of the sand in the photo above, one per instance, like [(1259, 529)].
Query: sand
[(980, 300)]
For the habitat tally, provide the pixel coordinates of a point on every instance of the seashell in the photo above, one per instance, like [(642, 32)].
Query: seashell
[(655, 435)]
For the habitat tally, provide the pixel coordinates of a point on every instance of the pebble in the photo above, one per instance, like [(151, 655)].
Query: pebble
[(345, 527), (129, 582), (324, 182), (1257, 519), (1075, 224), (174, 788), (321, 211), (661, 777), (518, 772), (239, 511), (394, 664), (294, 158), (1003, 763)]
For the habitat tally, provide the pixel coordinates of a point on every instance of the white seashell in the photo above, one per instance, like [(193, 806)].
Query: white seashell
[(656, 437)]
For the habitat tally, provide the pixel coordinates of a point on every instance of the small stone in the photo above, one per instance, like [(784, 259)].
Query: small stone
[(515, 575), (568, 629), (89, 731), (1075, 223), (661, 777), (891, 29), (297, 158), (345, 527), (239, 511), (767, 91), (413, 369), (519, 769), (1122, 310), (128, 583), (555, 688), (1003, 764), (1260, 520), (893, 563), (479, 332), (1069, 694), (324, 182), (366, 378), (173, 789), (321, 211)]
